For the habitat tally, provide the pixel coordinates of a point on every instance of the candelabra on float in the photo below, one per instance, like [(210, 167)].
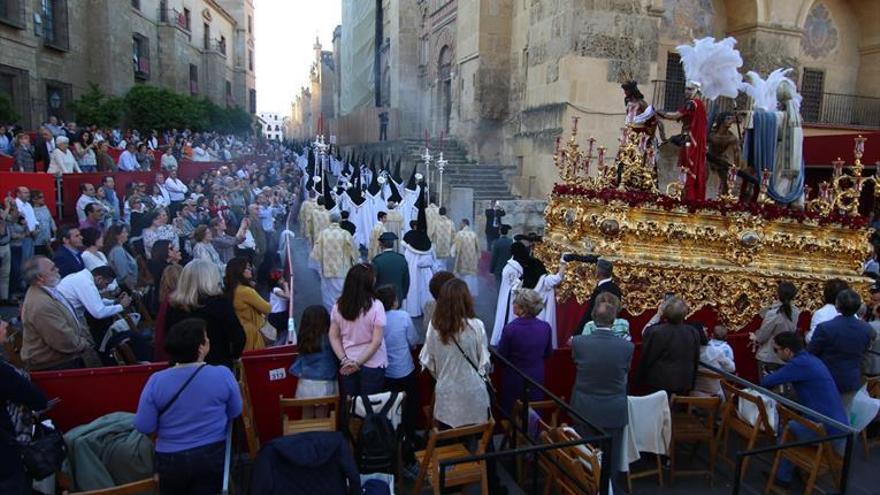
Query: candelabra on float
[(844, 191)]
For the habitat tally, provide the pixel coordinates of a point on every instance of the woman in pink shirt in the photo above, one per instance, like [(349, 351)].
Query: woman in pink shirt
[(357, 324)]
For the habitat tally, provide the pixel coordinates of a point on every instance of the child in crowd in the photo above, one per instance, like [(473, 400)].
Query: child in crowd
[(719, 341), (316, 367), (717, 356), (279, 299), (400, 375)]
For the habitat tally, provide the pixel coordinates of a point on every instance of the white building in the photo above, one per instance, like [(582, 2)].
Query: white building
[(273, 125)]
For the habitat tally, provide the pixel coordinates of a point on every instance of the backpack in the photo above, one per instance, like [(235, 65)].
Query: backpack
[(377, 440)]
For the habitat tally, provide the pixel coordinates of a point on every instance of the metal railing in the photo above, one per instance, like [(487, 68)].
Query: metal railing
[(818, 108), (227, 460), (848, 434), (173, 17), (841, 109), (536, 450)]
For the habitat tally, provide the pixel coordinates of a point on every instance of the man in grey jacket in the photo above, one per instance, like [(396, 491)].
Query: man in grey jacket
[(599, 395)]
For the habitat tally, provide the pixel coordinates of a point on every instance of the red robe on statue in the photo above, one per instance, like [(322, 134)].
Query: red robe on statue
[(693, 157)]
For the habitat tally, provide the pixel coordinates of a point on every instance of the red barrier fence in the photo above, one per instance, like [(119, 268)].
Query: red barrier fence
[(71, 183), (6, 163), (89, 394)]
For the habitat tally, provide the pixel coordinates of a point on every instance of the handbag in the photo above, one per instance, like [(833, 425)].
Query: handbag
[(490, 389), (45, 453), (268, 331)]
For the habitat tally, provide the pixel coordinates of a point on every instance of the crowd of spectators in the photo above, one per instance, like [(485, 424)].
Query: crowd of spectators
[(65, 148)]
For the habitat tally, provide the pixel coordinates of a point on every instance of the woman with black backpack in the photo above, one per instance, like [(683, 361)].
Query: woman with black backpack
[(15, 390)]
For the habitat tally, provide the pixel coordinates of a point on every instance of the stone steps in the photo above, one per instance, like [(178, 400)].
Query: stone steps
[(487, 181)]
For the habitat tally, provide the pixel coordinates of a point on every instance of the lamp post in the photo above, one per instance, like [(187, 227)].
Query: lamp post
[(441, 164)]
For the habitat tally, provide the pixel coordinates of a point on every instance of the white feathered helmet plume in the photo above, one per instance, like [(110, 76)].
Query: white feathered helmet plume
[(712, 67), (765, 92)]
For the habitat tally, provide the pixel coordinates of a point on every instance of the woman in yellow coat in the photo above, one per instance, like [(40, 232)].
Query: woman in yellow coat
[(249, 306)]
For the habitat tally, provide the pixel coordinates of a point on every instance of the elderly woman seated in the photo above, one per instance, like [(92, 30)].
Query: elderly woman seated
[(525, 342)]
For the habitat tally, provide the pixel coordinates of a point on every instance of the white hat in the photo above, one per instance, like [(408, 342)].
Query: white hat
[(694, 85)]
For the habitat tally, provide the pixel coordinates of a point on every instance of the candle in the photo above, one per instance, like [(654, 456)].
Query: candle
[(575, 126), (557, 146), (591, 141)]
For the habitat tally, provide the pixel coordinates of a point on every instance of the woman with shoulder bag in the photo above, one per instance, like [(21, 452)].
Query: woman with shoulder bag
[(189, 406), (456, 353)]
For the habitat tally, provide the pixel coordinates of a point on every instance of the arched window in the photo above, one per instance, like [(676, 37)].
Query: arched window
[(444, 64)]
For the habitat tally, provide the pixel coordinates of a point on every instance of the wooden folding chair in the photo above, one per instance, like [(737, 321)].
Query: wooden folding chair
[(549, 414), (731, 422), (247, 412), (149, 485), (693, 421), (290, 426), (816, 459), (123, 354), (873, 385), (581, 461), (458, 474)]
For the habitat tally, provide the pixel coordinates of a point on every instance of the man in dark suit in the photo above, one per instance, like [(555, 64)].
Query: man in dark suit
[(43, 147), (670, 352), (346, 224), (68, 258), (605, 277), (391, 267), (493, 224), (841, 343), (600, 386), (500, 253)]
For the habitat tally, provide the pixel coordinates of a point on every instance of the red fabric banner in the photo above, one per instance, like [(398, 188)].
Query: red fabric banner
[(9, 181)]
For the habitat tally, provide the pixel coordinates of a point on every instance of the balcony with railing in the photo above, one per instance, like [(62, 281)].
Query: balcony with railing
[(825, 109), (174, 17)]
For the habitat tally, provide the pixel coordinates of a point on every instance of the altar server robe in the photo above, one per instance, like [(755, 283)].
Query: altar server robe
[(421, 269)]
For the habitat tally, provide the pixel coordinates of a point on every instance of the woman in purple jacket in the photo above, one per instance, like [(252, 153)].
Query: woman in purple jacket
[(526, 343)]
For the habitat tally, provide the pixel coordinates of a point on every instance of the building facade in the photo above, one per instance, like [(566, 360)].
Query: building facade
[(273, 125), (505, 77), (313, 111), (51, 50)]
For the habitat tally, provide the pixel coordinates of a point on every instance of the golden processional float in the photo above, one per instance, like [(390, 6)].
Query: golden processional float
[(718, 253)]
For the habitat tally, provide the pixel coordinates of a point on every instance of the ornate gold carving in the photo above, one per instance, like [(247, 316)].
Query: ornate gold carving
[(730, 260)]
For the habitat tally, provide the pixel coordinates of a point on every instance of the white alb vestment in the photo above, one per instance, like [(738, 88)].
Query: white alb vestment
[(421, 269), (510, 281)]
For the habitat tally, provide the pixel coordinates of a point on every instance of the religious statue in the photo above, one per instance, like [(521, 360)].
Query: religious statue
[(775, 137), (724, 153), (692, 156), (641, 116)]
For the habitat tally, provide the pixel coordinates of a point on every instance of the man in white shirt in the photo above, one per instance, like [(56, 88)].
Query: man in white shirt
[(176, 191), (200, 153), (87, 195), (22, 202), (82, 290), (829, 311), (127, 160), (160, 181)]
